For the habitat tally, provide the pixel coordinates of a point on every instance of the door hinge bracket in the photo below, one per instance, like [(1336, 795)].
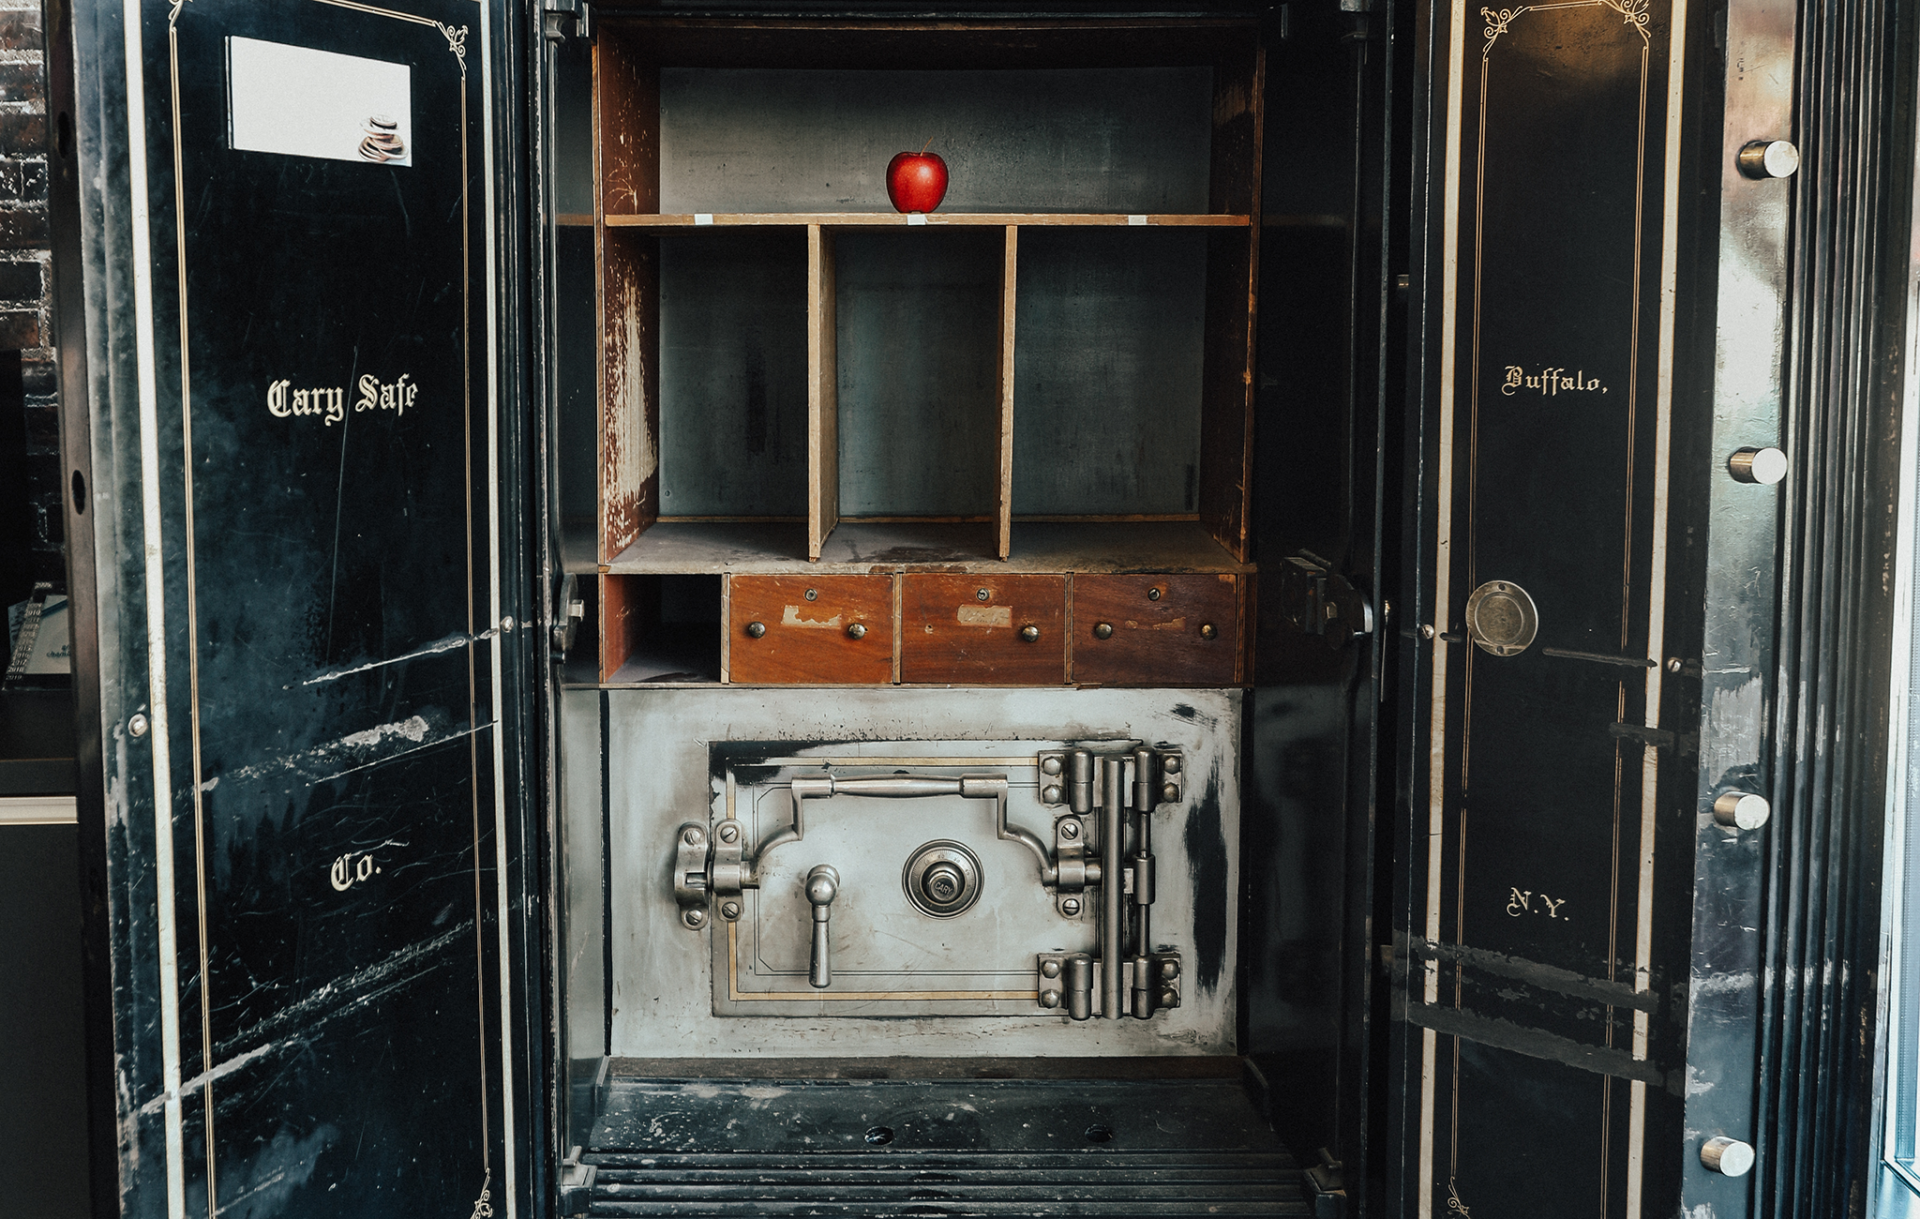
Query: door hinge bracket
[(1327, 1187), (560, 13), (1315, 600), (576, 1184), (1683, 743)]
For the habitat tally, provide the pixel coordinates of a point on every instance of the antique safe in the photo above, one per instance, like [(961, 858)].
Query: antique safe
[(622, 675)]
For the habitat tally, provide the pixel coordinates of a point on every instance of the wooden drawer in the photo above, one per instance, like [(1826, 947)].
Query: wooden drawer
[(804, 628), (969, 629), (1160, 630)]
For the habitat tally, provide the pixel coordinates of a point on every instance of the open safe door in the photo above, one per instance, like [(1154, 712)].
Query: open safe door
[(300, 642)]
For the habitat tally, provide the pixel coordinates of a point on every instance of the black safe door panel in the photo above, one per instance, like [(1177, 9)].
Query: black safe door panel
[(313, 1000), (1535, 1074)]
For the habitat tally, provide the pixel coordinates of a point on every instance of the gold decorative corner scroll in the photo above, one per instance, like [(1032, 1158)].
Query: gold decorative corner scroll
[(1632, 12)]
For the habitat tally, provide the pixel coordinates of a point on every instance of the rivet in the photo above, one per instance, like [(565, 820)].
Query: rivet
[(756, 629), (137, 725), (1050, 969), (1169, 998), (1029, 633), (1171, 763), (1426, 630), (857, 631), (1050, 998), (1169, 970), (1103, 630), (1208, 630), (1170, 792), (1051, 794), (1050, 765)]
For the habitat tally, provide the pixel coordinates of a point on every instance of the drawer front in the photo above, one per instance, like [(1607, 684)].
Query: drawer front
[(1156, 630), (983, 630), (826, 629)]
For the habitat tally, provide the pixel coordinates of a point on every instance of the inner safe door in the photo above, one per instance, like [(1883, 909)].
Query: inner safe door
[(962, 877)]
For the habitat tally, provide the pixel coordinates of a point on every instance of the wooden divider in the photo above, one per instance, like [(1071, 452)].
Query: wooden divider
[(823, 405), (1009, 293)]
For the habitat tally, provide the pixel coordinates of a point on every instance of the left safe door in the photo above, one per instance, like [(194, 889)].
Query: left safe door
[(303, 638)]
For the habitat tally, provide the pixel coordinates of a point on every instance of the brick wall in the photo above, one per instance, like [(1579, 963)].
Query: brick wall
[(25, 322)]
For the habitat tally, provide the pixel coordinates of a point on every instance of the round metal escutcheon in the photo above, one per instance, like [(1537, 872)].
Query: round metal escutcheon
[(1501, 618), (942, 879)]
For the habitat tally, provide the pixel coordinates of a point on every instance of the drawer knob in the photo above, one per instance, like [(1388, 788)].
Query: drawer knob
[(1103, 630), (1208, 630), (857, 631), (756, 629), (1029, 633)]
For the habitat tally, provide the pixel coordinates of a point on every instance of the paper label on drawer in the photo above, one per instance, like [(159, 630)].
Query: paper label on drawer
[(302, 102), (985, 615), (791, 617)]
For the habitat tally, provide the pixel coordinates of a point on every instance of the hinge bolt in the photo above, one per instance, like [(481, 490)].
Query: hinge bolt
[(692, 836), (730, 910), (1070, 906)]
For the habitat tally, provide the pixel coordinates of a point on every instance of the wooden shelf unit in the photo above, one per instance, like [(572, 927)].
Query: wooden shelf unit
[(791, 346)]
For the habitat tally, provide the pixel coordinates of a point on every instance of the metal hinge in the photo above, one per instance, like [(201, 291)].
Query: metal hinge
[(562, 13), (576, 1184), (1316, 601), (1659, 738), (568, 612), (1327, 1187)]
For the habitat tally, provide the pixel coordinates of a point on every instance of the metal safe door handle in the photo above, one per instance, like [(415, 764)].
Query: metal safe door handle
[(823, 885)]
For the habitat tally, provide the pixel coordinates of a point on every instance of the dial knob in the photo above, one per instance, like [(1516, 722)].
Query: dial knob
[(942, 883)]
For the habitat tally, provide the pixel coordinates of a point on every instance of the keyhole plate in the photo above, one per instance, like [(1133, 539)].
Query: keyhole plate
[(1501, 618), (942, 879)]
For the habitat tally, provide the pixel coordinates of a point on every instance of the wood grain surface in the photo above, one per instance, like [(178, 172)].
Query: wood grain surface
[(1156, 642), (807, 640), (949, 632)]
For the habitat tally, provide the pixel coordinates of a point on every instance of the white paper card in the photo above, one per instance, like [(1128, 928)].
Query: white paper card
[(308, 103), (700, 218), (1136, 219)]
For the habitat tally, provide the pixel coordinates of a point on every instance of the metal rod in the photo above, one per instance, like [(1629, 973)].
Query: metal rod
[(1113, 776)]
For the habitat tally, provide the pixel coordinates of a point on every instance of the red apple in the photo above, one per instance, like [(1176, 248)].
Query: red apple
[(916, 181)]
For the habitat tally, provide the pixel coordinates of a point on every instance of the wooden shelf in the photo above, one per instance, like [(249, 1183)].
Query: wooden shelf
[(861, 220), (780, 547)]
